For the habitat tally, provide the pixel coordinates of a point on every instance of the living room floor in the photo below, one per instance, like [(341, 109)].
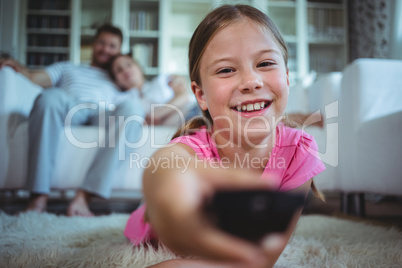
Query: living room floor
[(380, 210), (13, 203)]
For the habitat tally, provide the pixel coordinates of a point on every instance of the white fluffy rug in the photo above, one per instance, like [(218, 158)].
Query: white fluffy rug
[(47, 240)]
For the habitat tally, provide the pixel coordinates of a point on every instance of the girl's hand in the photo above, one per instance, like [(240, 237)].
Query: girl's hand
[(175, 209)]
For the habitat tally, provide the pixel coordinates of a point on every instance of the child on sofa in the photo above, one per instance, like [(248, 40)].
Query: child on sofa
[(239, 74), (163, 89)]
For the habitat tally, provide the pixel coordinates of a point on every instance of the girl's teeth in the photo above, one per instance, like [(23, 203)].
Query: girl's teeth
[(250, 107)]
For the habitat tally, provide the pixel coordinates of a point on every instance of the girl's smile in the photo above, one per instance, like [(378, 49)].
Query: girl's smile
[(252, 108)]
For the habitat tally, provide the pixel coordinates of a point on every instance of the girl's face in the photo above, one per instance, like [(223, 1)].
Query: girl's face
[(244, 81), (127, 73)]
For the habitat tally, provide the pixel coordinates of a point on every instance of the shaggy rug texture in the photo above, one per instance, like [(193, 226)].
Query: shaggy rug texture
[(47, 240)]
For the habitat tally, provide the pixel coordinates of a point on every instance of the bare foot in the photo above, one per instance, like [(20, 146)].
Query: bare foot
[(79, 206), (38, 203)]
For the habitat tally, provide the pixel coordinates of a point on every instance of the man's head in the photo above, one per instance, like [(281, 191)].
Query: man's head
[(107, 43)]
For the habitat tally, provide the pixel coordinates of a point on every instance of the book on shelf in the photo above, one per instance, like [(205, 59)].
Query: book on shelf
[(324, 60), (326, 1), (44, 59), (44, 40), (48, 22), (49, 4), (326, 24), (86, 53), (144, 54), (144, 20)]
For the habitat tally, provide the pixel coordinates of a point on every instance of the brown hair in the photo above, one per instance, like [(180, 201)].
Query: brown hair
[(108, 28), (214, 22)]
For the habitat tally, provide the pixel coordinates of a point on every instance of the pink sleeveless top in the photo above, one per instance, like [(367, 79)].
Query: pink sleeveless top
[(294, 161)]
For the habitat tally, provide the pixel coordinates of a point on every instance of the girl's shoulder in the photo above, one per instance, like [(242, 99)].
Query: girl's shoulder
[(295, 158), (201, 142), (287, 136)]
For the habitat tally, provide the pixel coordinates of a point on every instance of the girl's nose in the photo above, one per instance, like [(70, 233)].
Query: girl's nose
[(250, 81)]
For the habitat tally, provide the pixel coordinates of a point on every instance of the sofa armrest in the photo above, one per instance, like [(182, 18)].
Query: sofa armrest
[(17, 95), (371, 88), (379, 151), (369, 126), (324, 91)]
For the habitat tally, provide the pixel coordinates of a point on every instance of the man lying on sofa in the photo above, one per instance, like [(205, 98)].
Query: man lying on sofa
[(91, 93)]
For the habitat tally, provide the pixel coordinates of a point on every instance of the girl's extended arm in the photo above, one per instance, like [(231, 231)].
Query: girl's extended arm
[(274, 254), (175, 196), (175, 193)]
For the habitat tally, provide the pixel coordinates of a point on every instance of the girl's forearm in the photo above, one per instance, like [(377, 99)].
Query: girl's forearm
[(174, 197), (159, 183)]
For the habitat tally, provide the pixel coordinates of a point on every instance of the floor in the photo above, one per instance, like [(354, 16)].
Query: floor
[(380, 210), (13, 203)]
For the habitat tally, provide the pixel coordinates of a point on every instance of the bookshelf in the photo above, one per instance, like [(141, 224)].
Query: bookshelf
[(47, 31), (144, 34), (184, 17), (316, 34), (327, 35), (314, 43), (158, 31), (284, 14)]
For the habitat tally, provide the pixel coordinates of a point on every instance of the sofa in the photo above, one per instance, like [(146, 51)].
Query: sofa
[(361, 136), (17, 95), (360, 142)]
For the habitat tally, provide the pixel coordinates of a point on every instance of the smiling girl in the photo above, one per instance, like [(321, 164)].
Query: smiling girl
[(239, 74)]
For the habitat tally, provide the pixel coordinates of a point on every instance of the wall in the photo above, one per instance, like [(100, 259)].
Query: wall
[(396, 30), (9, 13)]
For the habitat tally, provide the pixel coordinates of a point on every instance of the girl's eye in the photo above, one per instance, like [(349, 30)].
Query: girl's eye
[(265, 64), (225, 71)]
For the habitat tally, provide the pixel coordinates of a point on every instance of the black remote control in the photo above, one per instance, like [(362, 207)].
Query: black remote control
[(253, 214)]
